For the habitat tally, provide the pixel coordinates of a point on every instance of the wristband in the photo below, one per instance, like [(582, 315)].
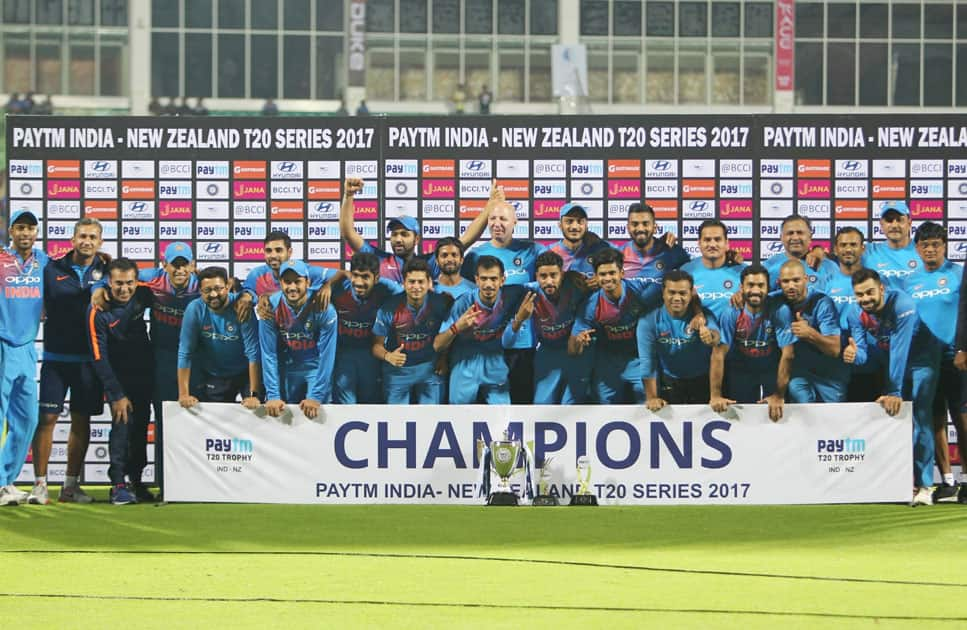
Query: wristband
[(453, 330)]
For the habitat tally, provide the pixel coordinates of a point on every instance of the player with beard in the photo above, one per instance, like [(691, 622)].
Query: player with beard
[(578, 245), (474, 332), (896, 258), (404, 233), (797, 237), (221, 352), (886, 331), (748, 357), (715, 279), (552, 304), (449, 259), (645, 256)]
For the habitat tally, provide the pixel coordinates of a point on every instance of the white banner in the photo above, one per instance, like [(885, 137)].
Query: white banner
[(844, 453)]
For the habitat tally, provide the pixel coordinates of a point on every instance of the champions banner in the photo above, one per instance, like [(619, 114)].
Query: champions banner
[(685, 455)]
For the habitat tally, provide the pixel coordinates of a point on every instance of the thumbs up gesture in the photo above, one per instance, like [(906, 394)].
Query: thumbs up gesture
[(849, 352), (801, 327), (396, 358), (706, 335)]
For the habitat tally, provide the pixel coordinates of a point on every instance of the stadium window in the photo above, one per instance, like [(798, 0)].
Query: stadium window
[(295, 15), (198, 14), (841, 73), (446, 16), (47, 67), (906, 86), (874, 20), (198, 64), (693, 20), (594, 17), (16, 11), (412, 74), (264, 70), (874, 67), (510, 17), (114, 12), (164, 13), (476, 70), (938, 21), (231, 66), (626, 72), (380, 16), (626, 19), (758, 19), (726, 82), (906, 21), (691, 76), (164, 64), (81, 70), (49, 12), (757, 79), (16, 63), (329, 63), (264, 15), (329, 16), (114, 70), (841, 20), (231, 14), (413, 16), (660, 19), (540, 74), (660, 77), (809, 73), (809, 20), (598, 79), (725, 19), (962, 76), (543, 17), (478, 17), (938, 74), (380, 76), (80, 12), (446, 70), (961, 22), (510, 78), (295, 66)]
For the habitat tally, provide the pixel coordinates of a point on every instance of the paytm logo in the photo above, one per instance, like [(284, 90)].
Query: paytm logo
[(229, 445), (841, 445), (174, 190), (211, 170), (775, 168), (401, 168), (587, 168), (550, 188)]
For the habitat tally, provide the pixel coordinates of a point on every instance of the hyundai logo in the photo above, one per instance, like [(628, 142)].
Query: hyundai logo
[(851, 165), (100, 166), (662, 165), (287, 167), (475, 165), (324, 206), (137, 207), (698, 206), (213, 248)]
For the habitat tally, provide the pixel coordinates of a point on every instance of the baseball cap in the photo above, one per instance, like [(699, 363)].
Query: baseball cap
[(406, 222), (23, 212), (896, 206), (178, 249), (573, 208), (299, 267)]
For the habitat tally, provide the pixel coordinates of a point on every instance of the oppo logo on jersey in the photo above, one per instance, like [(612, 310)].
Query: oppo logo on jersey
[(677, 341), (929, 293)]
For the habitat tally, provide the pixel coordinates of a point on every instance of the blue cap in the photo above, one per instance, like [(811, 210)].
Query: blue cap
[(896, 206), (573, 208), (406, 222), (178, 249), (23, 212), (299, 267)]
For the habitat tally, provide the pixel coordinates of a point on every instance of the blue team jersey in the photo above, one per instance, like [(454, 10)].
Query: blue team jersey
[(619, 320), (414, 329), (890, 338), (817, 279), (582, 259), (553, 319), (668, 344), (455, 291), (839, 288), (715, 286), (23, 295), (263, 280), (893, 265), (168, 308), (654, 262), (486, 336), (357, 315), (936, 294), (216, 343), (298, 341), (751, 338), (518, 258), (391, 265), (820, 313)]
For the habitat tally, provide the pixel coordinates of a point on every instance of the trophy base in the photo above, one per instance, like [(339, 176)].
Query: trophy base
[(502, 498), (545, 500), (584, 499)]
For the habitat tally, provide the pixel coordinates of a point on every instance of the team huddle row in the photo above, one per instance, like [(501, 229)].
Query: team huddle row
[(508, 320)]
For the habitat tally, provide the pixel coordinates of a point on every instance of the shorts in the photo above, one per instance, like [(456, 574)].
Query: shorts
[(59, 377), (221, 389)]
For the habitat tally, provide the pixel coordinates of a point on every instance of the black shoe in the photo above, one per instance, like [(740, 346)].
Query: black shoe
[(944, 491), (962, 494), (141, 491)]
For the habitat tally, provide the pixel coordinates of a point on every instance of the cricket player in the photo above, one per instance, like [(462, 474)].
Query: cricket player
[(264, 279), (797, 237), (895, 258), (578, 246), (715, 280), (644, 255), (449, 259)]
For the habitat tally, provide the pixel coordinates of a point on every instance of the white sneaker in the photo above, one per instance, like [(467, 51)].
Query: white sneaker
[(74, 494), (10, 495), (922, 496), (38, 495)]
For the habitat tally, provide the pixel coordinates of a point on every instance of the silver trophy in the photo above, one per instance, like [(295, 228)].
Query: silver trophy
[(503, 462), (584, 495), (543, 484)]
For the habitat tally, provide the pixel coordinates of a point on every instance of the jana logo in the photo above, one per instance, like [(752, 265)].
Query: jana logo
[(228, 445), (842, 445)]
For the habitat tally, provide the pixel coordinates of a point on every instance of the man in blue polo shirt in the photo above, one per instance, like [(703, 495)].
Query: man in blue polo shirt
[(797, 237), (896, 257), (449, 259), (716, 281)]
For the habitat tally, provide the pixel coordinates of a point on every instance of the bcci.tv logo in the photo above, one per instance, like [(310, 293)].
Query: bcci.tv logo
[(229, 449)]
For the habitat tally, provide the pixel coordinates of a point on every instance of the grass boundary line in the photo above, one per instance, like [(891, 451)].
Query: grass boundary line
[(571, 563)]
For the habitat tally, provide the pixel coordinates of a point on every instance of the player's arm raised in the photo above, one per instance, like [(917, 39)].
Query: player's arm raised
[(347, 220), (479, 224)]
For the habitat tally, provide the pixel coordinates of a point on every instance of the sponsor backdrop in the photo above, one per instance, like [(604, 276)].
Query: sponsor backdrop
[(683, 455), (222, 183)]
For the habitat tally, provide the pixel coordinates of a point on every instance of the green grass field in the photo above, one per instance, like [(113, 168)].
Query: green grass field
[(259, 566)]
